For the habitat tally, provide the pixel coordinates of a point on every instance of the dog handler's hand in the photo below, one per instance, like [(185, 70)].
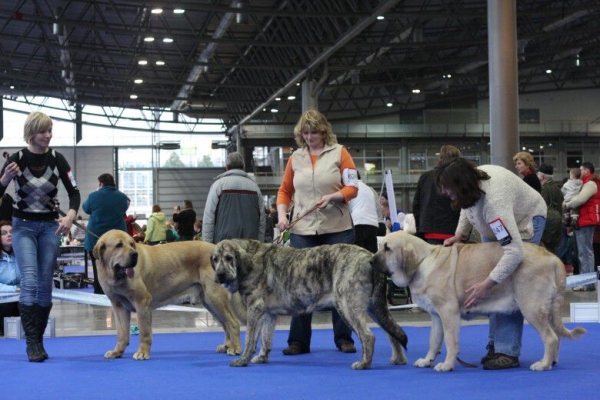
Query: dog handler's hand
[(478, 292), (453, 239), (65, 223), (329, 198), (282, 220), (10, 172)]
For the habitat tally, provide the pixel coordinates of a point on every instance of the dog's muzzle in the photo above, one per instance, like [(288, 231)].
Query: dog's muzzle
[(227, 281), (123, 272)]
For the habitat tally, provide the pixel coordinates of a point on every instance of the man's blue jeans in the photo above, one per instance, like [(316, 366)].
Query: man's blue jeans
[(36, 246), (585, 247), (506, 330)]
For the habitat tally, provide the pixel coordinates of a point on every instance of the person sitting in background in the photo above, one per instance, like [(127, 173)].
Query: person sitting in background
[(198, 230), (157, 225), (170, 232), (10, 276), (130, 220)]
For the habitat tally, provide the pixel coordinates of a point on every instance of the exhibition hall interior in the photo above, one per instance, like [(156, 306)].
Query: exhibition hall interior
[(158, 93)]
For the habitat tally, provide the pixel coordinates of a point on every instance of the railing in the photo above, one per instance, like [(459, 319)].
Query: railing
[(562, 128)]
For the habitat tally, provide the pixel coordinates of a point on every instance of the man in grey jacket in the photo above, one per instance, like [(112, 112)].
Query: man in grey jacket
[(234, 207)]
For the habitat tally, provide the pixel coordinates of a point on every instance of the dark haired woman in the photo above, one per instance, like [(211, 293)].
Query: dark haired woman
[(106, 207), (502, 208)]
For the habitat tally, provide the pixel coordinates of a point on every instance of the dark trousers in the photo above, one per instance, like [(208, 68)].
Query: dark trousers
[(300, 328), (366, 237), (97, 287), (8, 310)]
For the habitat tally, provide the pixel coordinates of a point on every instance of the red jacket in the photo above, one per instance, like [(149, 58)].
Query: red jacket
[(589, 212)]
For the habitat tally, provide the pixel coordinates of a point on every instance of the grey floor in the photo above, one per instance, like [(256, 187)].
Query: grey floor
[(72, 319)]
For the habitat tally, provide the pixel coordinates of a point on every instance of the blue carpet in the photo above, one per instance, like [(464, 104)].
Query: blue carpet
[(185, 366)]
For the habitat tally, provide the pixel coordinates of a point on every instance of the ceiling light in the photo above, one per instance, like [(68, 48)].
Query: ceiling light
[(274, 110), (277, 98), (380, 17), (149, 39), (416, 91), (160, 63), (548, 71), (157, 11), (291, 98), (138, 81), (577, 61), (142, 62), (168, 40), (133, 96), (390, 104), (178, 11), (12, 87)]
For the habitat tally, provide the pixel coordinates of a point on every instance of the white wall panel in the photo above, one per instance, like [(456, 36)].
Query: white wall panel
[(176, 185)]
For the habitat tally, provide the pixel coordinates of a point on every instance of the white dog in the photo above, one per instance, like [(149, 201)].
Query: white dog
[(438, 277)]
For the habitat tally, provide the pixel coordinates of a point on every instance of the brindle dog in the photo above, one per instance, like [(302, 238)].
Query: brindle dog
[(276, 280)]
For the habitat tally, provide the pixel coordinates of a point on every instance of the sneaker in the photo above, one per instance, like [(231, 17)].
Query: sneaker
[(502, 361), (347, 348), (490, 354), (580, 289), (294, 350)]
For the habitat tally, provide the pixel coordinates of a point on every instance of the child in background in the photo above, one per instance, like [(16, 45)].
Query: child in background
[(571, 187)]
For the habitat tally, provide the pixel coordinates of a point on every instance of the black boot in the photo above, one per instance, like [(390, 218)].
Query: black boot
[(42, 320), (30, 326)]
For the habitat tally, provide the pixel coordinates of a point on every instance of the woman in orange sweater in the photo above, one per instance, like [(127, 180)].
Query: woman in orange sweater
[(320, 173)]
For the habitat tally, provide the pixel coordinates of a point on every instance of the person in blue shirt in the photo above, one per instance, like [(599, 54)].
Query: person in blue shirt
[(10, 277), (106, 207)]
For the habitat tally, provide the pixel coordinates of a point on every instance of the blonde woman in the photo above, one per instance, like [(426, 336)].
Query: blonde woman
[(36, 171), (322, 173), (525, 166)]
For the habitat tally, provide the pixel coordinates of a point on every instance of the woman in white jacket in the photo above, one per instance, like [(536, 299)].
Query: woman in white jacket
[(502, 208)]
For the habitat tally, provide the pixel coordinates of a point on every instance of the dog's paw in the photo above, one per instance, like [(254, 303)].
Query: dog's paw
[(223, 348), (361, 365), (444, 367), (113, 354), (422, 363), (540, 366), (141, 355), (259, 360), (240, 362), (399, 361)]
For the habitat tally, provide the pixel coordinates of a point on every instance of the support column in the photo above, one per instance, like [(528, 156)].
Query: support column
[(309, 100), (503, 81)]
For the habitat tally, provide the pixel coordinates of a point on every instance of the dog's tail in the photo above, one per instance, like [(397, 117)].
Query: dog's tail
[(561, 283), (379, 310)]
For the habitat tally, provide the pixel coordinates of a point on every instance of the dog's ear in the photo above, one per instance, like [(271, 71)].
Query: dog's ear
[(378, 259), (241, 256), (98, 251), (409, 255)]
